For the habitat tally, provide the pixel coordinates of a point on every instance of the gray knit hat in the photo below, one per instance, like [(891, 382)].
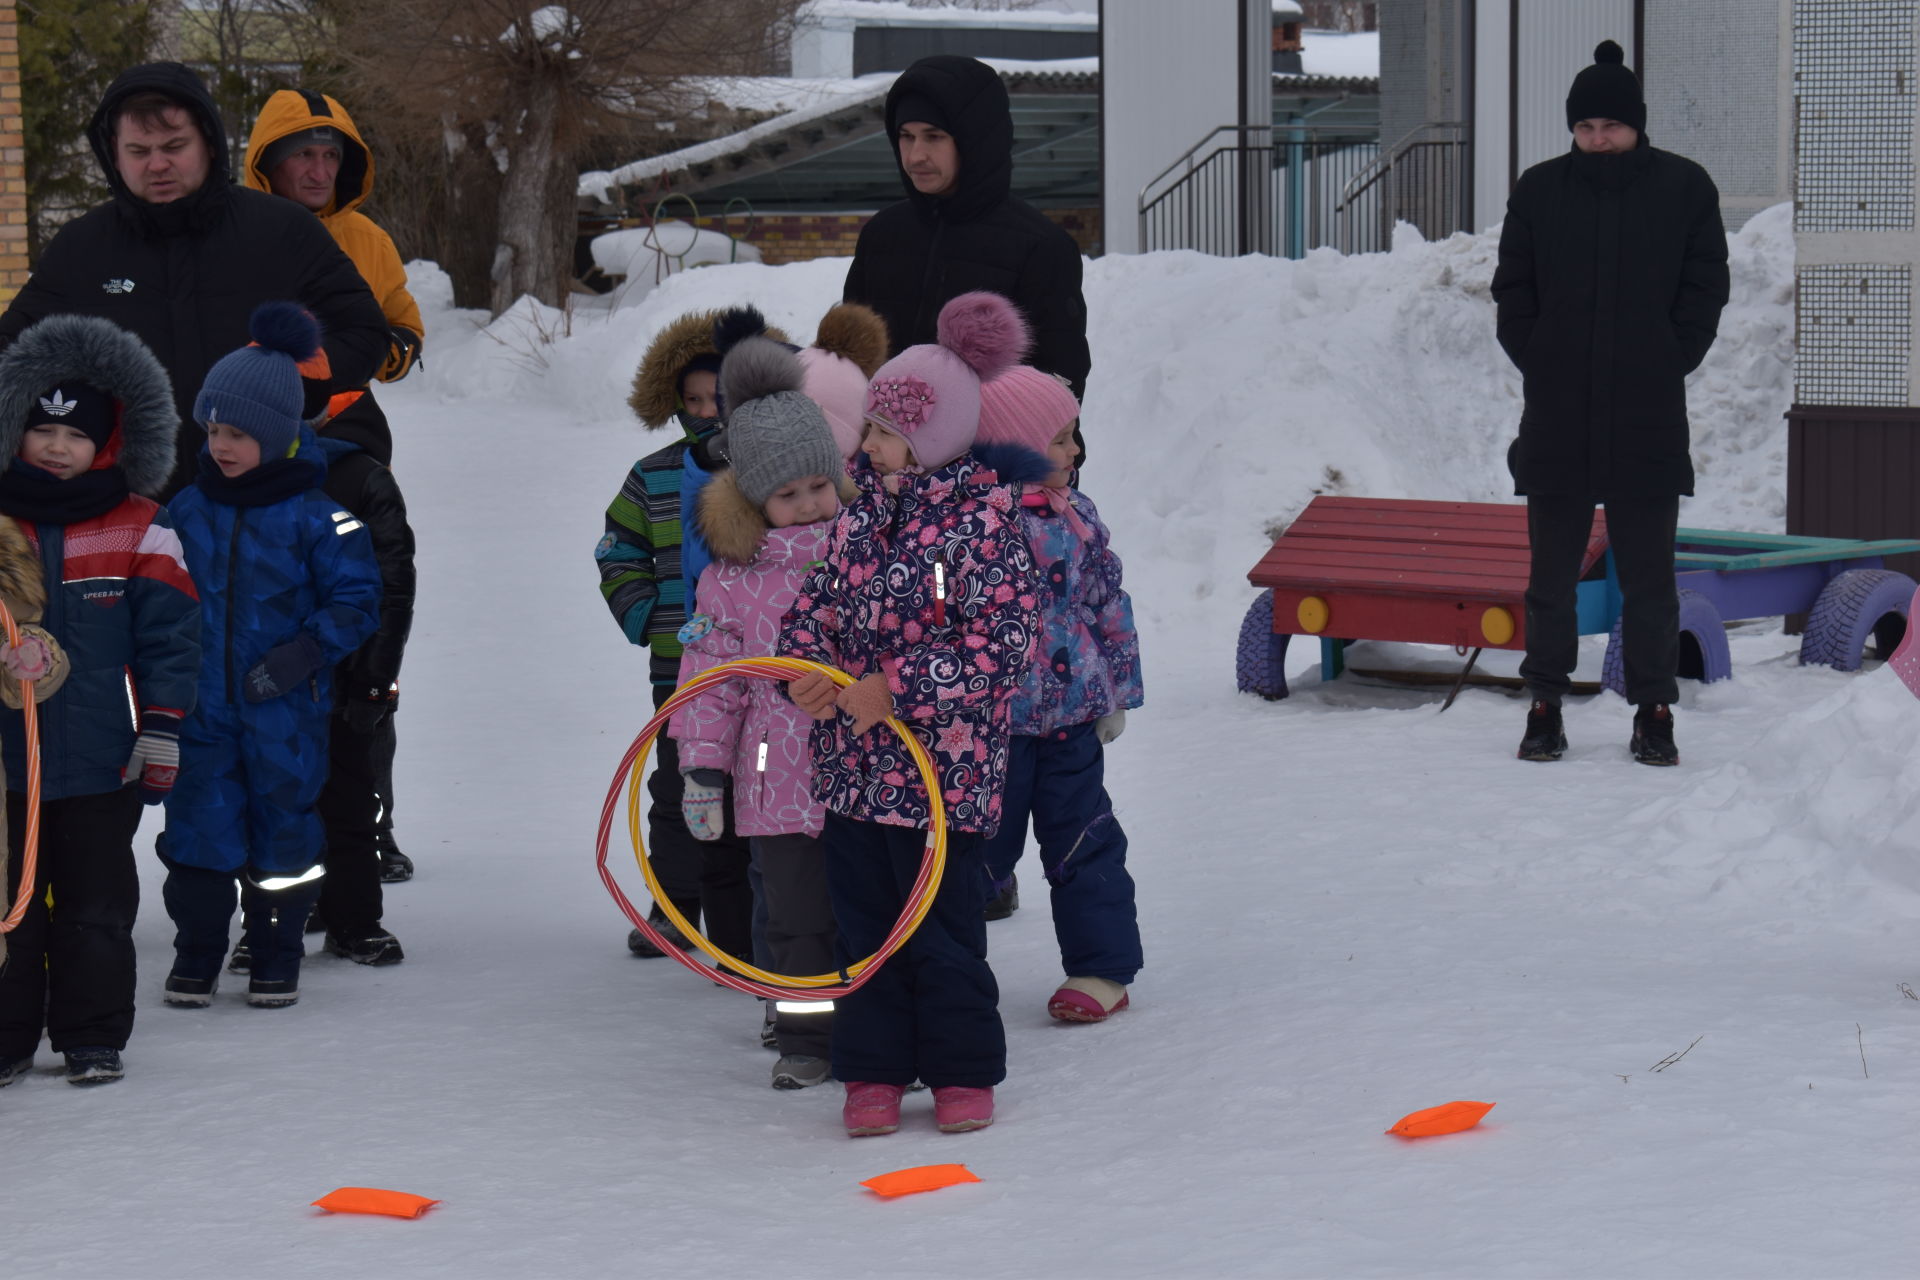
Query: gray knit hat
[(775, 435)]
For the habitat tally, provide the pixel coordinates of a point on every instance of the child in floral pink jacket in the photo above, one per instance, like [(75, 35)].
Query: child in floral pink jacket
[(766, 522), (928, 597)]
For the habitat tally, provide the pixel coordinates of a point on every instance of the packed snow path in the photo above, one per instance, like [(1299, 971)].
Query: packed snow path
[(1353, 906)]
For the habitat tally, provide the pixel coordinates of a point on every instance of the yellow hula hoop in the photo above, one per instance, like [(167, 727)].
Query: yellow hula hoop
[(734, 972)]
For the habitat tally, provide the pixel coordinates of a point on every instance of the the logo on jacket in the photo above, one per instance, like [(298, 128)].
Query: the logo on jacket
[(120, 285), (59, 406)]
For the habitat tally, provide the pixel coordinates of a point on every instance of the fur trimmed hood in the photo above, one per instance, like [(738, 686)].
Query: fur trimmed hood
[(88, 349), (656, 384), (734, 528)]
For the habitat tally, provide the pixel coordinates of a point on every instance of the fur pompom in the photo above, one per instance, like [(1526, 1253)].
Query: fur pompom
[(985, 330), (736, 324), (854, 332), (1608, 51), (285, 327), (758, 367)]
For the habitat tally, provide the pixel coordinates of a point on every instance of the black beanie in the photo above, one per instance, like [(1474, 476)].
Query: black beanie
[(76, 404), (1607, 91), (918, 108)]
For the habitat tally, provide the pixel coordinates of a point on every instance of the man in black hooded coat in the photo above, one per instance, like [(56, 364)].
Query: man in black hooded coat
[(1612, 276), (185, 271), (916, 256)]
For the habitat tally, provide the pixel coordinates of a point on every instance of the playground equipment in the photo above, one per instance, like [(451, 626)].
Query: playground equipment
[(1456, 573)]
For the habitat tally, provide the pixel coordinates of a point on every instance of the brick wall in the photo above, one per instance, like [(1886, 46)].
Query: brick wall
[(13, 160), (802, 237)]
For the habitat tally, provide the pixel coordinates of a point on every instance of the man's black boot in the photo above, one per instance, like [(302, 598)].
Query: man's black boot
[(1546, 737)]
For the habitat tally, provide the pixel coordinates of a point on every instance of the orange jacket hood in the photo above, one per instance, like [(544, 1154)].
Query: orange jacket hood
[(290, 111)]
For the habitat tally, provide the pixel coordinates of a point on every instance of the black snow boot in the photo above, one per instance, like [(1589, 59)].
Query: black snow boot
[(365, 946), (1653, 735), (1004, 899), (1546, 737), (395, 866), (641, 945), (99, 1065)]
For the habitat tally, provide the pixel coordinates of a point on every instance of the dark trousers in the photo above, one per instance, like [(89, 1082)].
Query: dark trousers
[(1640, 532), (932, 1013), (792, 871), (201, 903), (386, 742), (707, 879), (1059, 780), (72, 967), (349, 807)]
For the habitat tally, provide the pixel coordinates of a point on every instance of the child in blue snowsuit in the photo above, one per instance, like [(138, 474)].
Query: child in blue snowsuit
[(1073, 701), (288, 587)]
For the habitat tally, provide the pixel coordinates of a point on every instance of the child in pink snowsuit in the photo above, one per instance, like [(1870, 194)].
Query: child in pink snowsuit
[(766, 521), (928, 598)]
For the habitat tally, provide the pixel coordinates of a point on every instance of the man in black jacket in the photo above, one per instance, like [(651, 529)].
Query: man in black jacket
[(959, 229), (1612, 276), (180, 256)]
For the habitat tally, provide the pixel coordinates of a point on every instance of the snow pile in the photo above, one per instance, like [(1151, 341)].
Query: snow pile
[(644, 256)]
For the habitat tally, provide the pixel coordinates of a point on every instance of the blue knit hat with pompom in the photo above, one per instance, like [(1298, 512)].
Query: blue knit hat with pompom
[(257, 388)]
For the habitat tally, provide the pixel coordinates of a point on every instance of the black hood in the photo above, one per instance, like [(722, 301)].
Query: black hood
[(974, 101), (179, 82)]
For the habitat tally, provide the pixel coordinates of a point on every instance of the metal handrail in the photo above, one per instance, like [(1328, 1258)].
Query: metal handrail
[(1456, 131), (1253, 188)]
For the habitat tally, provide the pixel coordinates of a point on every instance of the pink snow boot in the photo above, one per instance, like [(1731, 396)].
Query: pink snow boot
[(871, 1109), (1087, 1000), (958, 1108)]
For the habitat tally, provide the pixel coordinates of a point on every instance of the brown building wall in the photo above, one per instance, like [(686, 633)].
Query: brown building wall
[(1855, 473), (13, 159)]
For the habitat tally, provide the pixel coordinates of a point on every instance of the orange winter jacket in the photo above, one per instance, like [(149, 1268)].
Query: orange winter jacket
[(290, 111)]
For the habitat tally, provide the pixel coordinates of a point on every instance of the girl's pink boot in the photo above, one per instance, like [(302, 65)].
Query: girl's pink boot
[(871, 1109), (1087, 1000), (958, 1108)]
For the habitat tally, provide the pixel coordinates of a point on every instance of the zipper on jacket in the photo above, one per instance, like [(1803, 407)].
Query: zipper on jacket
[(940, 593), (233, 560)]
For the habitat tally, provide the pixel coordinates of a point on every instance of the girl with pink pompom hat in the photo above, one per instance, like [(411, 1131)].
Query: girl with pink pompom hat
[(928, 598)]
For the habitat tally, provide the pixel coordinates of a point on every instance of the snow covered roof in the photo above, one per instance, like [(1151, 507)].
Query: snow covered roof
[(894, 13)]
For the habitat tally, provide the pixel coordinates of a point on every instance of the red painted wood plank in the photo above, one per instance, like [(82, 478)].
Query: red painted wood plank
[(1332, 582), (1374, 617), (1295, 544), (1376, 564)]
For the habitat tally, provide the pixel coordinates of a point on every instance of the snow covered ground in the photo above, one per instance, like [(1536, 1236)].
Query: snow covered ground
[(1354, 906)]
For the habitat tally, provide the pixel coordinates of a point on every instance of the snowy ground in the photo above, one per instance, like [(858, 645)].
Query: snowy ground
[(1354, 906)]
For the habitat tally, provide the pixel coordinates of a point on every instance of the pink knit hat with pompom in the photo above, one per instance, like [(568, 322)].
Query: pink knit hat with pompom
[(931, 394), (838, 386), (1026, 407)]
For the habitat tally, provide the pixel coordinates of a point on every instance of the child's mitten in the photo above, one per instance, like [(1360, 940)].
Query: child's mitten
[(814, 694), (1111, 725), (703, 803), (284, 667), (867, 701), (155, 762)]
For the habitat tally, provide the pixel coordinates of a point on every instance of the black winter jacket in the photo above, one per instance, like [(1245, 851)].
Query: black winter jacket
[(361, 484), (915, 256), (1612, 276), (185, 276)]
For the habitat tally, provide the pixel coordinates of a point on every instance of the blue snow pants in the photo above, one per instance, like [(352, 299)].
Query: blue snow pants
[(932, 1013), (250, 776), (1059, 780)]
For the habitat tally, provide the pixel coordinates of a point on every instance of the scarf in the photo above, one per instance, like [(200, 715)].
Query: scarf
[(1059, 499), (28, 493)]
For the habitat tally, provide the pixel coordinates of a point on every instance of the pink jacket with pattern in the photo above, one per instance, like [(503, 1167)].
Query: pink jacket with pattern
[(934, 586), (737, 613)]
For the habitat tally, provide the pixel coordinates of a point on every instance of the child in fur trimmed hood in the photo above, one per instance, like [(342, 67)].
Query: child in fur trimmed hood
[(1073, 702), (928, 598), (766, 521), (87, 423), (643, 580)]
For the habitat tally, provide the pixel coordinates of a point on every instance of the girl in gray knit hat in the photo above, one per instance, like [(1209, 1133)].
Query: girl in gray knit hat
[(766, 521)]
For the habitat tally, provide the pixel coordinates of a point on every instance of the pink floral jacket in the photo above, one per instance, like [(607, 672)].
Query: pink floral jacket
[(934, 586), (749, 728)]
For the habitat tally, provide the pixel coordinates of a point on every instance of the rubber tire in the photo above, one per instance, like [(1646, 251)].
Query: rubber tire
[(1859, 606), (1260, 660), (1707, 659)]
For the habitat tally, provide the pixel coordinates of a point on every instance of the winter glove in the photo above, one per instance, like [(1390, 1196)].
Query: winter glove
[(1110, 726), (155, 762), (284, 667), (814, 694), (703, 803), (867, 701), (403, 352), (364, 709)]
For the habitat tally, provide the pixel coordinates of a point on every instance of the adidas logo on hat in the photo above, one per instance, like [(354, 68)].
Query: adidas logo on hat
[(59, 406)]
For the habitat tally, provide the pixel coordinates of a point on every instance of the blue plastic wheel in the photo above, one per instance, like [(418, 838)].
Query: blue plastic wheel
[(1260, 661), (1703, 646), (1858, 608)]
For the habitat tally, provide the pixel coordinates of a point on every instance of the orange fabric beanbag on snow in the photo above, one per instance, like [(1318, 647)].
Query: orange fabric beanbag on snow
[(1450, 1117), (394, 1204), (926, 1177)]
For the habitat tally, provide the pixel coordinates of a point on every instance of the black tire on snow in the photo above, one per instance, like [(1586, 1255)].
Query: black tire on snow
[(1704, 655), (1857, 607), (1260, 661)]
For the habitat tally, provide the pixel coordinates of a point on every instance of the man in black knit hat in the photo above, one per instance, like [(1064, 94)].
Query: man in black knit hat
[(1612, 276)]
